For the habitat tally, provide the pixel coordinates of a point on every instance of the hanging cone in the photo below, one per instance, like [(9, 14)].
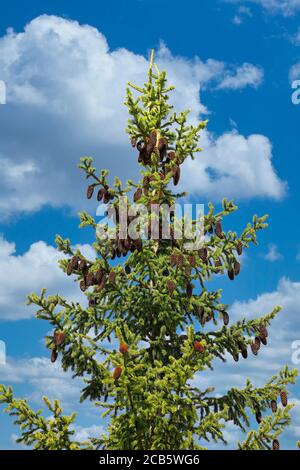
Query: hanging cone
[(202, 252), (180, 260), (170, 287), (90, 191), (117, 373), (273, 406), (275, 444), (189, 290), (264, 340), (82, 285), (112, 277), (151, 142), (239, 248), (123, 348), (218, 230), (90, 279), (263, 331), (244, 352), (254, 349), (176, 175), (257, 343), (230, 273), (236, 268), (59, 337), (162, 146), (100, 194), (192, 260), (235, 357), (54, 355), (137, 195), (225, 318), (198, 346), (283, 398)]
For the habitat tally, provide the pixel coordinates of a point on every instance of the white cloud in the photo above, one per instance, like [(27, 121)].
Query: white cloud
[(273, 253), (65, 90), (30, 272), (233, 166), (242, 13), (284, 7), (82, 434), (246, 75)]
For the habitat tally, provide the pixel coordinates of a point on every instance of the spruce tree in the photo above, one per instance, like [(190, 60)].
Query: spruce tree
[(150, 322)]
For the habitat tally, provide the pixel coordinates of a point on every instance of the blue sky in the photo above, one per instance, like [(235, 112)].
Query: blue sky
[(232, 62)]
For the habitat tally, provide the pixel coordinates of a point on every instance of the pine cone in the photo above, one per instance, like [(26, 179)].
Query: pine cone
[(192, 260), (133, 142), (137, 195), (90, 279), (202, 252), (82, 285), (100, 194), (198, 346), (73, 264), (283, 398), (180, 260), (69, 268), (235, 357), (230, 273), (59, 337), (123, 348), (218, 230), (258, 417), (82, 266), (117, 373), (236, 268), (254, 349), (257, 343), (189, 290), (173, 259), (263, 331), (244, 352), (264, 340), (275, 444), (170, 286), (176, 175), (98, 276), (90, 191), (112, 277), (239, 248), (54, 355), (151, 142), (274, 406), (225, 318)]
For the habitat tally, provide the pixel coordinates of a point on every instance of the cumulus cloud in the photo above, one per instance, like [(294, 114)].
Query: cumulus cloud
[(65, 90), (246, 75), (233, 166), (35, 269)]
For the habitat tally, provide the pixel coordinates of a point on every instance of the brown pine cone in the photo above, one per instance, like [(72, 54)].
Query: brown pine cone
[(263, 331), (218, 230), (189, 290), (123, 348), (264, 340), (82, 285), (112, 277), (137, 195), (225, 318), (202, 252), (54, 355), (254, 349), (170, 286), (117, 373), (257, 343), (275, 444), (236, 268), (235, 357), (59, 337), (69, 268), (173, 259), (176, 175), (244, 352), (100, 194), (283, 398), (230, 273), (239, 248), (180, 260), (90, 279), (82, 266), (151, 142), (90, 191), (273, 406), (192, 260), (162, 146)]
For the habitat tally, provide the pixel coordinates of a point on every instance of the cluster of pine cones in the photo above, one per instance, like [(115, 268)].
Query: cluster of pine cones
[(159, 145), (273, 406)]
